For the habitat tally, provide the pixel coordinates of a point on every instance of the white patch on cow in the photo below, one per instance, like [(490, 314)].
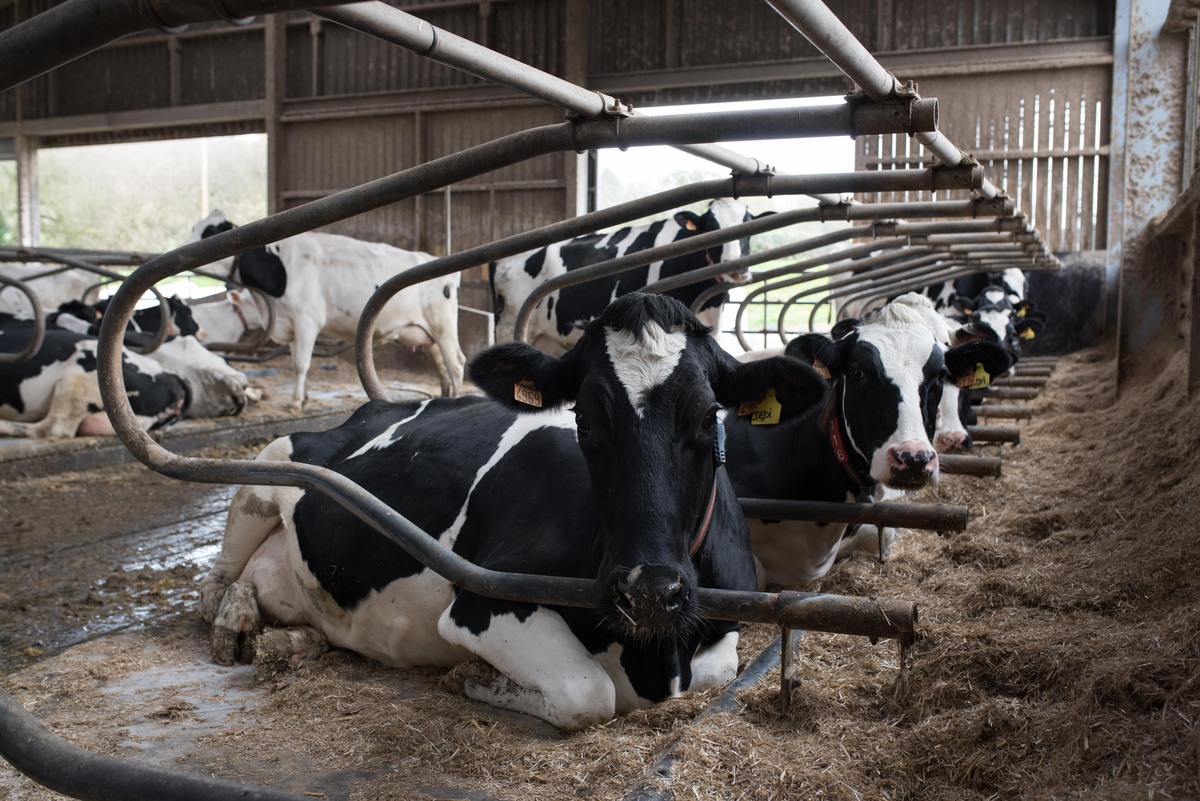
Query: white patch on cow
[(519, 430), (716, 665), (730, 212), (389, 434), (642, 363), (217, 389), (949, 432), (904, 342), (1014, 280), (558, 680), (795, 552), (997, 320)]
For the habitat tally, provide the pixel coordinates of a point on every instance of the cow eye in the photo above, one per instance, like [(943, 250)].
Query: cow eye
[(581, 424), (857, 374), (710, 420)]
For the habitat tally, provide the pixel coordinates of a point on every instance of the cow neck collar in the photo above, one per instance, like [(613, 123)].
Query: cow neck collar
[(832, 424), (718, 461)]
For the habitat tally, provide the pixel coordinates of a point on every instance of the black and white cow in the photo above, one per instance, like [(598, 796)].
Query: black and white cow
[(872, 431), (553, 326), (217, 389), (625, 487), (319, 283), (56, 394)]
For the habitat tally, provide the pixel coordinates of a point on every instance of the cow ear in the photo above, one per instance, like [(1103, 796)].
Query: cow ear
[(972, 332), (1028, 327), (963, 361), (797, 386), (843, 327), (817, 350), (689, 221), (522, 377)]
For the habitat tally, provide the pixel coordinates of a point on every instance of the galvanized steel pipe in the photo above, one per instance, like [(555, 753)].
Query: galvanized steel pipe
[(39, 324), (987, 466), (995, 434), (934, 517), (64, 32), (830, 36)]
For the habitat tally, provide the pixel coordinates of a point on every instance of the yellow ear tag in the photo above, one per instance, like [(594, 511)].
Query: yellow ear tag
[(821, 369), (1028, 334), (981, 379), (1021, 312), (525, 392), (766, 412)]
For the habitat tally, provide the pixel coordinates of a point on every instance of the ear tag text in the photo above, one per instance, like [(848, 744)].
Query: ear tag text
[(765, 412), (981, 379), (525, 392)]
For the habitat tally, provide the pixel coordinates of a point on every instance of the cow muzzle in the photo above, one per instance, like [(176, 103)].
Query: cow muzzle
[(951, 442), (911, 465), (650, 597)]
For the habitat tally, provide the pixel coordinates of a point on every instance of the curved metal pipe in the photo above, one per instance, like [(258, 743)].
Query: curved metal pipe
[(51, 761), (847, 259), (902, 263), (39, 324), (72, 29), (792, 184)]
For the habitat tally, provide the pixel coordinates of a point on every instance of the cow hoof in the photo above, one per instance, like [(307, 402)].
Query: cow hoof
[(224, 645), (278, 650), (475, 673)]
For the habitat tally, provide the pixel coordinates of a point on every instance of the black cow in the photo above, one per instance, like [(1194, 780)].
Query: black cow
[(553, 325), (625, 488), (56, 394), (872, 432)]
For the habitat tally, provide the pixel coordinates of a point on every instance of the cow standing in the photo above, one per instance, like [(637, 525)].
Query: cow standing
[(554, 324), (871, 432), (319, 284), (626, 487)]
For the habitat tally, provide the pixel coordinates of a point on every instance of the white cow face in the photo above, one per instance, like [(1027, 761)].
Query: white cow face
[(217, 389)]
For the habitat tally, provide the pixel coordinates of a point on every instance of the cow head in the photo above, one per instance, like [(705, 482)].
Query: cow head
[(647, 383), (723, 212), (215, 388), (887, 376), (990, 359)]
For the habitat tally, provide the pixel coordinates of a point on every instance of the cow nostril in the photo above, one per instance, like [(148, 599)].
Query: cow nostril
[(674, 596)]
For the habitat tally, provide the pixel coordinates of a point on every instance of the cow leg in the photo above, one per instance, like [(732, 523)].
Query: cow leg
[(715, 665), (304, 339), (546, 671), (450, 371), (254, 515), (234, 623), (73, 394)]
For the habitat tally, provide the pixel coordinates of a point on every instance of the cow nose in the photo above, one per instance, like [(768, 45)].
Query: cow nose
[(951, 441), (650, 596), (912, 463)]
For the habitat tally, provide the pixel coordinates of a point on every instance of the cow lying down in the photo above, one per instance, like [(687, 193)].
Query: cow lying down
[(625, 487), (56, 393)]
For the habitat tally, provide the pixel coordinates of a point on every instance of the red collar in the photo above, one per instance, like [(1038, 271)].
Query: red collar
[(703, 531), (830, 422)]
